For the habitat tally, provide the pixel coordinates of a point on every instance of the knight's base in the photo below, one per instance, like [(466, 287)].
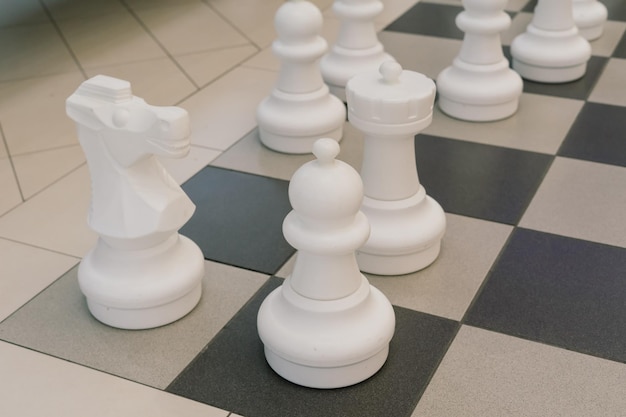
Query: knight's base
[(142, 289), (326, 344)]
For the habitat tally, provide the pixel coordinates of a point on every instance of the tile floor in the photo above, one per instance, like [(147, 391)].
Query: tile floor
[(210, 57)]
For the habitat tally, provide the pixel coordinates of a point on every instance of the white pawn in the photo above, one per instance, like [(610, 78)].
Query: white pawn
[(590, 16), (480, 86), (357, 48), (326, 326), (141, 273), (300, 108), (390, 107), (551, 50)]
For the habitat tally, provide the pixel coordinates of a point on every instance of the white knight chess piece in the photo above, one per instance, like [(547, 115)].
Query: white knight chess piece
[(141, 273)]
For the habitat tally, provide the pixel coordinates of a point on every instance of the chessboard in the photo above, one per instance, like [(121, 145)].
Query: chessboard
[(523, 312)]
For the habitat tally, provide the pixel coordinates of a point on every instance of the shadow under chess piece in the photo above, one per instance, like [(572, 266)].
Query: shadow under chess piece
[(326, 326), (141, 273)]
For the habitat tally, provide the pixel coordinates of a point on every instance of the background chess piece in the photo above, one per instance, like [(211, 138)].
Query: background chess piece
[(326, 326), (141, 273), (390, 107), (357, 48), (300, 108), (479, 85), (551, 50), (590, 16)]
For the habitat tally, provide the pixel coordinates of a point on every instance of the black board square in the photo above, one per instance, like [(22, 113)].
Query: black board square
[(238, 218), (598, 135), (557, 290), (476, 180), (429, 19), (232, 374)]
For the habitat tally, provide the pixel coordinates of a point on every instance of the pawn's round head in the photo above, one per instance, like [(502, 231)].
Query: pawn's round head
[(326, 191), (296, 20)]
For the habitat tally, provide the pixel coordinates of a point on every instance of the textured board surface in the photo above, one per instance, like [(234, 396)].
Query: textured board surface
[(523, 313)]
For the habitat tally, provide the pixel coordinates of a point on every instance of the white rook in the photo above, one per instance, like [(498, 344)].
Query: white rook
[(390, 107)]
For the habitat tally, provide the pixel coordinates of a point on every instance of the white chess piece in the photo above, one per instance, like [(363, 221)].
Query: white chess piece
[(141, 273), (590, 16), (326, 326), (390, 107), (551, 50), (300, 108), (480, 86), (357, 48)]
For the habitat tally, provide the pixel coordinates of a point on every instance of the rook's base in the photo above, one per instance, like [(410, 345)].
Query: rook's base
[(405, 235)]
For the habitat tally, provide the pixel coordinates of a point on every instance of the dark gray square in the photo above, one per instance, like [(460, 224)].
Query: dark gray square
[(238, 218), (231, 373), (557, 290), (476, 180)]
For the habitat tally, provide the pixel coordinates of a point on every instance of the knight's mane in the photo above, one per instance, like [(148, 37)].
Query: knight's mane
[(106, 89)]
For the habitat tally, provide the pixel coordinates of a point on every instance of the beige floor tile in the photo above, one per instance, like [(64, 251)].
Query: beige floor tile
[(56, 218), (70, 9), (109, 39), (32, 113), (204, 67), (69, 390), (190, 27), (611, 86), (31, 51), (225, 111), (37, 170), (25, 271), (145, 76), (11, 196), (20, 12), (576, 200), (490, 374)]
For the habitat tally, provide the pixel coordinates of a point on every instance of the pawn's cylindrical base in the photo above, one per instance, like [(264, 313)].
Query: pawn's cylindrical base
[(550, 56), (341, 64), (590, 17), (326, 344), (142, 289), (479, 93), (291, 123), (405, 235)]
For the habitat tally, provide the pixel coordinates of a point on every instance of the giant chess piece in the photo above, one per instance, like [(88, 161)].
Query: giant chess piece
[(357, 48), (390, 107), (480, 86), (326, 326), (551, 50), (590, 17), (141, 273), (300, 108)]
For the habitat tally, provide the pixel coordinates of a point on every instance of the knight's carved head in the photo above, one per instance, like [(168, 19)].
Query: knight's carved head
[(130, 128)]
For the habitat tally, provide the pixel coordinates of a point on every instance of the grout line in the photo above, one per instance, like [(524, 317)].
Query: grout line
[(65, 42), (10, 158), (156, 40), (235, 27)]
